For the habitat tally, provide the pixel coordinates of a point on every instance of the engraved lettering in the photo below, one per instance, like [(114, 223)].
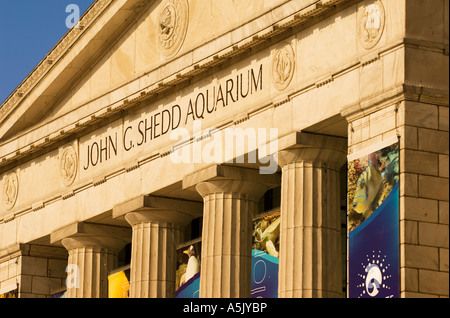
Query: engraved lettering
[(155, 125), (173, 116), (220, 96), (257, 81), (190, 111), (229, 89), (141, 132), (167, 112), (87, 160), (97, 154), (248, 84), (130, 144), (197, 106), (202, 108)]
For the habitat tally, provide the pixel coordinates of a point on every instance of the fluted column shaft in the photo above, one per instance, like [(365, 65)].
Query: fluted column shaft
[(157, 225), (229, 207), (88, 268), (310, 248), (153, 256), (226, 246)]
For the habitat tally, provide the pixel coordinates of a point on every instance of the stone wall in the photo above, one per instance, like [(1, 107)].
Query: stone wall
[(417, 112), (424, 211), (38, 271), (424, 199)]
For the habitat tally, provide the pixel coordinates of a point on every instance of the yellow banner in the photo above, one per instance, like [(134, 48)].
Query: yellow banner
[(119, 285)]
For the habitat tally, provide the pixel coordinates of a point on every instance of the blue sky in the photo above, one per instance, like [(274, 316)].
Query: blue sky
[(29, 29)]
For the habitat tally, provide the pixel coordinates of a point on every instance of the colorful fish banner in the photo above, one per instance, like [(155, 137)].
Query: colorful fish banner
[(373, 222)]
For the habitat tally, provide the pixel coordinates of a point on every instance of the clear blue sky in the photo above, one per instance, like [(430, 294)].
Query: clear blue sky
[(29, 29)]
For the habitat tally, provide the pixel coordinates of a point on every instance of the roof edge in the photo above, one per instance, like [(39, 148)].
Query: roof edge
[(45, 65)]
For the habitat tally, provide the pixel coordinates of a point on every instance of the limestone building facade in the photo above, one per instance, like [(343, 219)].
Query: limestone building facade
[(154, 125)]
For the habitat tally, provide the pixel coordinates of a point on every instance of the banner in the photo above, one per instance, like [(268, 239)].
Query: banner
[(119, 283), (265, 247), (59, 294), (373, 222), (188, 270)]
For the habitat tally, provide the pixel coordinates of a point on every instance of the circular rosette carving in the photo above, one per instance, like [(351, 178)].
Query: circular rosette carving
[(283, 67), (371, 20), (10, 190), (172, 26), (68, 165)]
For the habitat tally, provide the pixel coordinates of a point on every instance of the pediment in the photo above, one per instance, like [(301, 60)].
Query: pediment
[(58, 84), (119, 42)]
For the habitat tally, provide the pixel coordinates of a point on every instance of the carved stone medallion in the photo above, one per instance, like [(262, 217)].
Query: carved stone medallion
[(68, 165), (10, 190), (371, 20), (283, 67), (172, 26)]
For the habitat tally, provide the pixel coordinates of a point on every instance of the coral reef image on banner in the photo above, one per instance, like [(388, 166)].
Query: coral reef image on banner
[(373, 224)]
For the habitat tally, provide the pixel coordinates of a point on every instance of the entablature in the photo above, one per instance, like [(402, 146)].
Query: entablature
[(278, 23)]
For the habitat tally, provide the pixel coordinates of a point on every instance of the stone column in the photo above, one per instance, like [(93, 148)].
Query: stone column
[(88, 267), (310, 229), (230, 197), (157, 225), (92, 255)]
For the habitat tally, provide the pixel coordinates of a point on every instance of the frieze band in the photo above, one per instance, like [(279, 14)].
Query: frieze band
[(199, 106)]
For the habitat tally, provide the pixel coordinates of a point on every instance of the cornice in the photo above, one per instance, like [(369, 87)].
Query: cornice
[(408, 91), (21, 249)]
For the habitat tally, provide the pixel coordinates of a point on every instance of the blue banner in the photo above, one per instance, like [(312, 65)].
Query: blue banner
[(264, 275), (373, 220), (190, 289), (374, 253)]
